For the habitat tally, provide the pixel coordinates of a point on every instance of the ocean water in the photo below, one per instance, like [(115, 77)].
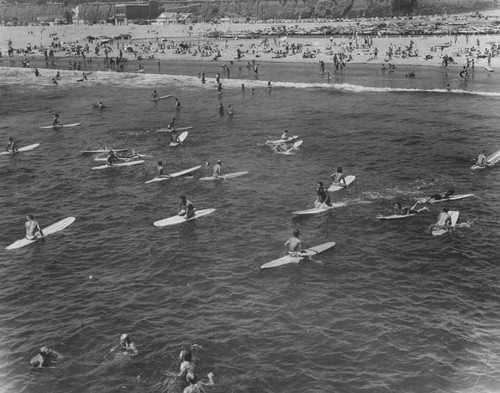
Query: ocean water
[(389, 309)]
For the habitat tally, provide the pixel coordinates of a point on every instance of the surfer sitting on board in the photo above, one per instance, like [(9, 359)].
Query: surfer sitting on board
[(481, 159), (33, 230), (112, 158), (398, 209), (55, 121), (293, 244), (12, 146), (323, 199), (44, 357), (174, 138), (437, 197), (443, 221), (339, 178), (186, 208), (217, 169), (170, 126), (285, 136)]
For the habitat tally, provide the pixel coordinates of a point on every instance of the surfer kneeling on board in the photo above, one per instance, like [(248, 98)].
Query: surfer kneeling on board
[(293, 244), (44, 357), (33, 229), (186, 208), (443, 222), (481, 159)]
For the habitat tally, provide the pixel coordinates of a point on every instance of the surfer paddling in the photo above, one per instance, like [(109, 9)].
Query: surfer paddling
[(12, 146), (186, 208), (398, 209), (33, 229)]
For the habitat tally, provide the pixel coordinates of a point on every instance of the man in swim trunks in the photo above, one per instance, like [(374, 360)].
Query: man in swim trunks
[(155, 95), (12, 146), (186, 208), (112, 158), (33, 230), (398, 209), (481, 159), (293, 244), (174, 138), (170, 126), (217, 169), (444, 220), (339, 178), (197, 387), (285, 136), (323, 199), (437, 197)]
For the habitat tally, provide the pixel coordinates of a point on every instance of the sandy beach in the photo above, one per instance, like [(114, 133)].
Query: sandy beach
[(163, 43)]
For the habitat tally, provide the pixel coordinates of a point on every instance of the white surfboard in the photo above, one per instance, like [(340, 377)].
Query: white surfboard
[(134, 157), (21, 149), (339, 186), (100, 151), (58, 226), (317, 210), (177, 129), (491, 160), (488, 68), (160, 98), (292, 150), (182, 138), (174, 175), (452, 198), (61, 126), (224, 177), (127, 163), (441, 231), (280, 141), (395, 216), (180, 219), (287, 259)]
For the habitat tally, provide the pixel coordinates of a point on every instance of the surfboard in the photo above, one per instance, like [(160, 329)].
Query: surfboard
[(279, 141), (317, 210), (441, 231), (287, 259), (180, 219), (293, 149), (182, 138), (395, 216), (58, 226), (160, 98), (452, 198), (177, 129), (335, 186), (224, 177), (61, 126), (135, 157), (100, 151), (21, 149), (174, 175), (488, 68), (127, 163)]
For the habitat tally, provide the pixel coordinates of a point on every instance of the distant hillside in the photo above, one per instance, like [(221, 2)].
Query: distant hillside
[(252, 9)]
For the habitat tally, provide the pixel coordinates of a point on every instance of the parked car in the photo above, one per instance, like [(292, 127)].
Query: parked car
[(123, 36)]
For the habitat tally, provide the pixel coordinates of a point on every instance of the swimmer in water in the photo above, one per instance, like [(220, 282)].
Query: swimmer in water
[(44, 358), (127, 345), (197, 387)]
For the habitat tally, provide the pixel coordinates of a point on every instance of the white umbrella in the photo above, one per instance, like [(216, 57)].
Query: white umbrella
[(283, 38)]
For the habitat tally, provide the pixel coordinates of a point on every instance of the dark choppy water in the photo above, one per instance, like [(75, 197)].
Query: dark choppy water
[(390, 309)]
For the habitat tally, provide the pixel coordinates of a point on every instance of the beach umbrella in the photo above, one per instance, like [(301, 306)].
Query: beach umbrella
[(283, 38)]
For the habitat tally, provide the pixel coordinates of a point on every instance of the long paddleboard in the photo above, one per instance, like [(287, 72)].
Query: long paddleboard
[(224, 177), (491, 160), (180, 219), (100, 151), (339, 186), (174, 175), (134, 157), (317, 210), (127, 163), (441, 231), (182, 138), (280, 141), (177, 129), (160, 98), (21, 149), (58, 226), (287, 259), (61, 126), (452, 198), (395, 216)]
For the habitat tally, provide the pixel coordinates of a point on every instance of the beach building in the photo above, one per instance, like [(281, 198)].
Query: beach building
[(136, 12), (172, 18)]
